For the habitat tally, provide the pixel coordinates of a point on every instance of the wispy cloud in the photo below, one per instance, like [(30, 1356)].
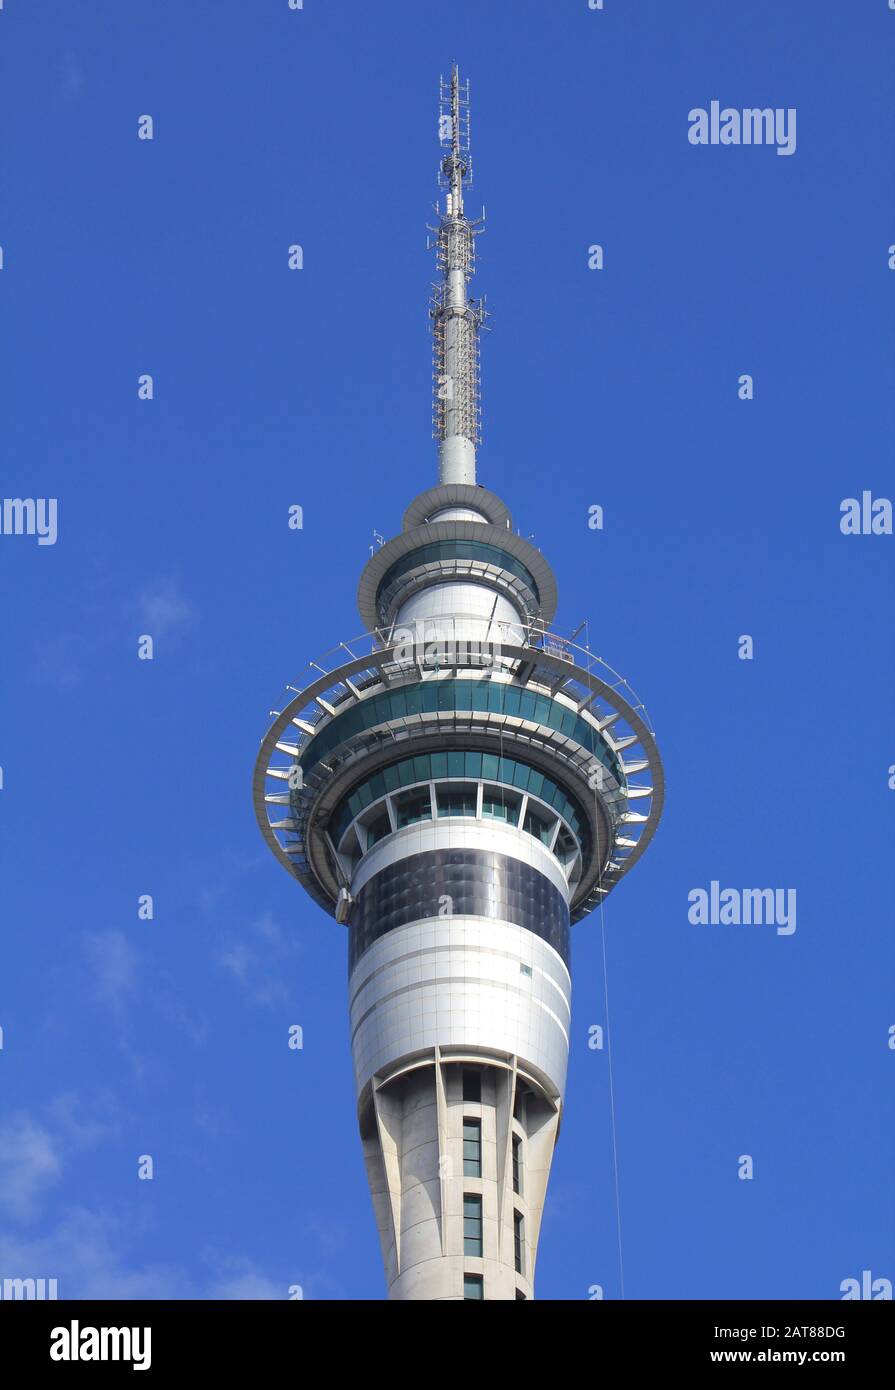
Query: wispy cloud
[(33, 1148), (255, 961), (30, 1163), (91, 1252), (82, 1253), (81, 1127), (97, 622), (163, 608), (181, 1015), (88, 1252), (114, 964)]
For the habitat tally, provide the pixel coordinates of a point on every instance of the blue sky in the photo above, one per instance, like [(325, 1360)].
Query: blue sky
[(122, 777)]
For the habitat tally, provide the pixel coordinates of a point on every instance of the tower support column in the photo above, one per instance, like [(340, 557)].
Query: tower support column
[(458, 1148)]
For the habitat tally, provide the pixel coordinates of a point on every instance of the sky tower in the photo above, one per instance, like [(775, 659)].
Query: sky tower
[(457, 787)]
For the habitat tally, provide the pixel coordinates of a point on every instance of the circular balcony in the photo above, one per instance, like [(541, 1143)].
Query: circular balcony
[(546, 705)]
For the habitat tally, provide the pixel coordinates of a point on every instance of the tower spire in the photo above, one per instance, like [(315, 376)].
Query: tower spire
[(456, 319)]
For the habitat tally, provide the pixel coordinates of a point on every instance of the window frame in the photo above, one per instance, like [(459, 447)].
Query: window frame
[(519, 1241), (477, 1216), (472, 1166)]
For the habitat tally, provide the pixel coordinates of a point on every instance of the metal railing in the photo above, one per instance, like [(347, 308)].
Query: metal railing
[(457, 644)]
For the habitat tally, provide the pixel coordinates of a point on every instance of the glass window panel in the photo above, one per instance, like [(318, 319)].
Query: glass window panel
[(472, 1224), (518, 1241), (489, 765), (378, 828), (565, 846), (501, 804), (472, 1148), (473, 765), (535, 782), (472, 1084), (421, 768), (541, 711), (455, 764), (539, 826), (457, 550), (454, 801), (412, 807)]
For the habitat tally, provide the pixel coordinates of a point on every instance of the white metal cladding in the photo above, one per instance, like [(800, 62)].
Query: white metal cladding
[(460, 982), (460, 834), (462, 612)]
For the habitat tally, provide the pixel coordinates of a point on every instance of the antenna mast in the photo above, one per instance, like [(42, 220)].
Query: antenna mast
[(456, 319)]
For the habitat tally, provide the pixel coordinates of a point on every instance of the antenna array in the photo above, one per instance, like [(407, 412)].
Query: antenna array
[(456, 319)]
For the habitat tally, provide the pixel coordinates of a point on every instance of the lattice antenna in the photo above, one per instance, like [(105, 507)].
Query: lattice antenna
[(456, 319)]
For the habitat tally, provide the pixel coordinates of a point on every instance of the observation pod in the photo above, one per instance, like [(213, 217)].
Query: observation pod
[(458, 786)]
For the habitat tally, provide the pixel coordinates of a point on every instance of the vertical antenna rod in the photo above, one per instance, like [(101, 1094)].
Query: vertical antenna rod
[(456, 320)]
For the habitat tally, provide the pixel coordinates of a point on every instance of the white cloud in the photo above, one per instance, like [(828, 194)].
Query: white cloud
[(67, 1115), (163, 607), (85, 1253), (256, 961), (114, 962), (89, 1252), (30, 1163)]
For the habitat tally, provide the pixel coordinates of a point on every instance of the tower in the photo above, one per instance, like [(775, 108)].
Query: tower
[(457, 787)]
